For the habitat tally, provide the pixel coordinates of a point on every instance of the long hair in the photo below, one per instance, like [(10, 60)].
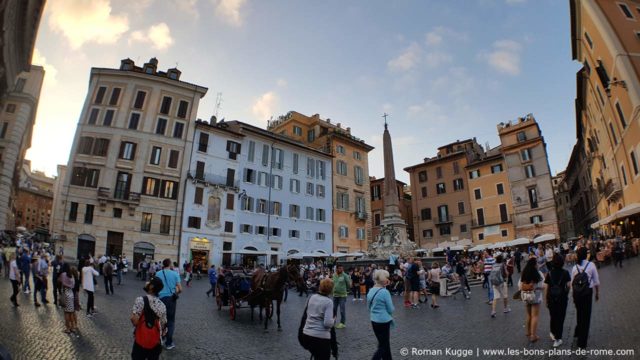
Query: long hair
[(530, 272)]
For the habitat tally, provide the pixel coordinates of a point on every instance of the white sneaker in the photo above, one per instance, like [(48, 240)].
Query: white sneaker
[(553, 338), (557, 343)]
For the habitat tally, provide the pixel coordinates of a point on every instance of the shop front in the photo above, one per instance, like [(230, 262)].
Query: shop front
[(199, 250)]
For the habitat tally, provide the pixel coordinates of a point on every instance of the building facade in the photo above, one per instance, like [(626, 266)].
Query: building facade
[(122, 191), (563, 206), (16, 127), (254, 197), (605, 40), (350, 179), (34, 200), (377, 206), (527, 166), (583, 197), (440, 198), (490, 198)]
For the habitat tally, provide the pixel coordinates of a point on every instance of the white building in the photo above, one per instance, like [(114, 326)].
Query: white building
[(254, 196)]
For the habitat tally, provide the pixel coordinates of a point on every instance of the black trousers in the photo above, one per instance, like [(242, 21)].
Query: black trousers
[(583, 315), (140, 353), (557, 313), (319, 348), (56, 289), (16, 289), (89, 301), (108, 284), (382, 331)]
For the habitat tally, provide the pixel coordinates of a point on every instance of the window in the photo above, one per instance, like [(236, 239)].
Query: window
[(341, 167), (263, 178), (231, 177), (123, 185), (169, 189), (504, 233), (249, 176), (108, 117), (127, 150), (197, 197), (310, 188), (161, 126), (477, 194), (156, 151), (115, 95), (458, 184), (117, 213), (624, 175), (613, 134), (11, 108), (456, 168), (474, 174), (277, 158), (504, 217), (529, 171), (134, 120), (342, 201), (294, 211), (463, 228), (621, 115), (165, 224), (276, 208), (422, 176), (360, 233), (537, 219), (321, 215), (101, 147), (340, 149), (634, 162), (194, 222), (625, 10), (200, 170), (88, 214), (343, 231), (100, 95), (73, 211), (233, 148), (360, 206), (246, 203), (441, 188), (295, 234), (85, 177), (296, 158), (182, 109), (461, 210), (297, 130), (427, 233), (276, 232), (533, 197), (261, 206), (357, 155), (423, 191), (500, 189), (165, 107), (481, 236), (261, 230), (521, 136), (321, 170), (245, 228), (376, 219), (294, 186), (178, 129), (93, 116), (320, 191), (230, 201), (174, 155), (359, 175), (139, 101), (443, 213), (265, 155), (320, 236), (309, 213), (496, 168), (375, 192), (480, 216), (588, 38), (85, 145), (425, 214), (228, 226), (445, 230), (439, 172), (311, 135)]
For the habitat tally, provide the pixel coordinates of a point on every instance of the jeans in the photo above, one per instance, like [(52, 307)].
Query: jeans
[(583, 315), (384, 345), (119, 273), (25, 280), (557, 313), (464, 286), (340, 301), (170, 303), (90, 308), (40, 286), (212, 289), (16, 289), (108, 284)]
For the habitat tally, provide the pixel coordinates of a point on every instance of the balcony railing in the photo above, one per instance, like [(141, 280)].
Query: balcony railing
[(444, 220), (131, 198), (489, 221), (361, 215), (612, 190)]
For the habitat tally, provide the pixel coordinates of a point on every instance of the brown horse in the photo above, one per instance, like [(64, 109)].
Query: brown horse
[(268, 287)]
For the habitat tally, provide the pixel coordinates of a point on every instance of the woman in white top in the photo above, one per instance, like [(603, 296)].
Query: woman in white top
[(88, 272), (434, 284), (14, 276)]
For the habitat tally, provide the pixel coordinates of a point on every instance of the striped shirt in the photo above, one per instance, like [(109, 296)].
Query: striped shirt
[(488, 264)]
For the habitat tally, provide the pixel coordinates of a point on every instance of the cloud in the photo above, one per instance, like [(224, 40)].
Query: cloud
[(82, 21), (505, 57), (229, 11), (281, 83), (455, 82), (158, 35), (188, 6), (407, 60), (436, 36), (437, 58), (265, 105), (50, 70)]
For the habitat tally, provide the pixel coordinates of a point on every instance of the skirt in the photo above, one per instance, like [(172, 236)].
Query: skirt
[(69, 304)]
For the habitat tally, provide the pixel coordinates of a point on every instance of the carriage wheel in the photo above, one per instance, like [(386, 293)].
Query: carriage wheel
[(232, 308)]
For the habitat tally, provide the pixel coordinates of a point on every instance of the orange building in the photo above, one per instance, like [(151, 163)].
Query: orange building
[(34, 200), (351, 198), (377, 206)]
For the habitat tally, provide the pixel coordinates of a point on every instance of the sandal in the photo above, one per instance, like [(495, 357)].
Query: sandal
[(534, 338)]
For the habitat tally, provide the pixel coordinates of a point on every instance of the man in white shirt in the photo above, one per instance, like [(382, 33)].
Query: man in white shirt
[(14, 276)]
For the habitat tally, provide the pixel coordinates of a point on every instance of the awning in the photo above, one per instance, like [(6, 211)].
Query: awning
[(339, 255), (463, 242), (519, 241), (420, 250), (457, 248), (355, 254), (543, 238), (438, 249), (498, 245), (478, 247), (603, 222), (627, 211)]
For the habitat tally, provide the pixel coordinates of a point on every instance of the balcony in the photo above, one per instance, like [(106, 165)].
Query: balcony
[(490, 221), (132, 199), (444, 220), (612, 190), (214, 180), (361, 215)]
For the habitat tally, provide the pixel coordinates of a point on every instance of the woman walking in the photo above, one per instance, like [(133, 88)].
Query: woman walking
[(320, 320), (556, 293), (381, 311), (88, 284), (356, 279), (434, 284), (531, 284), (68, 282), (149, 317)]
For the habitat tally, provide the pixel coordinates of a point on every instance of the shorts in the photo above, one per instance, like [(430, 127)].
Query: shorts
[(415, 284), (501, 291)]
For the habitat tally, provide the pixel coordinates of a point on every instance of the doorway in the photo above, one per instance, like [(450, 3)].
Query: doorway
[(141, 251), (200, 259), (86, 246), (114, 243)]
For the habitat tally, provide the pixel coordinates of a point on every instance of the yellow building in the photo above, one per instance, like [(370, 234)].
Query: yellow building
[(605, 40), (490, 196), (351, 199)]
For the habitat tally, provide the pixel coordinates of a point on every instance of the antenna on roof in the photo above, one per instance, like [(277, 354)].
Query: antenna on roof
[(218, 104)]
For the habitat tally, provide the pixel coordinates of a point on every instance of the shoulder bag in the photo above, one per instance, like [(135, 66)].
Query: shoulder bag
[(174, 296)]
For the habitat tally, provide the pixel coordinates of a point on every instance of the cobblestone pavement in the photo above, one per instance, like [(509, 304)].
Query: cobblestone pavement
[(202, 332)]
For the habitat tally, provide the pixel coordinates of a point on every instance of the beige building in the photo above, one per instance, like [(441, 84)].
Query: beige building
[(123, 187), (16, 127), (34, 199), (527, 166), (563, 206), (604, 38), (490, 198), (440, 197), (351, 198), (377, 206)]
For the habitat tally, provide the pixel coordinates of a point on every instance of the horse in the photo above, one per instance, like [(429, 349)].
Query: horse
[(270, 287)]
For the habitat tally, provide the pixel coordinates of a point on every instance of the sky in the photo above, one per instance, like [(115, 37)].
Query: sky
[(444, 70)]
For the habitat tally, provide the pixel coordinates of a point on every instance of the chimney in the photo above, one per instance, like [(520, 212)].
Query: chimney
[(213, 120), (349, 130), (338, 125)]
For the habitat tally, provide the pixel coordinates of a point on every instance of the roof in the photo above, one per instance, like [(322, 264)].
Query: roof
[(457, 142), (437, 159), (203, 90)]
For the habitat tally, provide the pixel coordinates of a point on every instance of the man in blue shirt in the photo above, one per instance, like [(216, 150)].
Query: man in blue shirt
[(213, 279), (169, 296), (25, 270)]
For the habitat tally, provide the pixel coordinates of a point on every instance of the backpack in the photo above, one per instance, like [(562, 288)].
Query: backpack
[(496, 277), (147, 332), (510, 266), (556, 292), (580, 283), (301, 338)]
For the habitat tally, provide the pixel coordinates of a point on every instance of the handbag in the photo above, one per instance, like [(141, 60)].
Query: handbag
[(301, 337), (516, 295), (61, 300)]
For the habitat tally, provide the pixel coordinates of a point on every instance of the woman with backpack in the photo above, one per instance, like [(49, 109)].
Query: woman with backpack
[(381, 314), (150, 320), (556, 294), (584, 278), (531, 285)]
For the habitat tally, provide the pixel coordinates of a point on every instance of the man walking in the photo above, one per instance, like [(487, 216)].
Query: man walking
[(169, 296), (107, 273), (341, 282), (43, 273), (488, 265), (25, 270), (517, 257), (584, 278), (56, 267), (213, 279)]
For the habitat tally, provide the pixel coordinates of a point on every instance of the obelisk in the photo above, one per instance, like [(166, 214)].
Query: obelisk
[(392, 217)]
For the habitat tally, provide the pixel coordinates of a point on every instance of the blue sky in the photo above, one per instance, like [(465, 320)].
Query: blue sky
[(443, 70)]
